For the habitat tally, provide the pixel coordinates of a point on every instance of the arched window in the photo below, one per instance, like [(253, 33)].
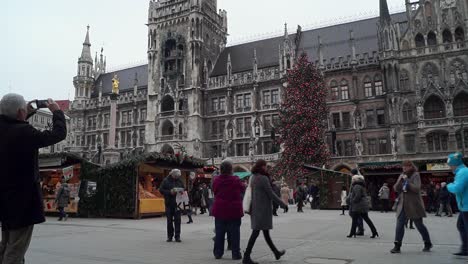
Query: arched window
[(167, 149), (459, 34), (447, 36), (419, 40), (344, 90), (334, 93), (408, 115), (437, 141), (368, 89), (431, 39), (430, 74), (404, 81), (460, 105), (378, 85), (458, 72), (434, 107), (167, 128), (167, 104), (169, 47)]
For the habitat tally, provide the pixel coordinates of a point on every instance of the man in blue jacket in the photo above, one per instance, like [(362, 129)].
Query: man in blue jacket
[(460, 188)]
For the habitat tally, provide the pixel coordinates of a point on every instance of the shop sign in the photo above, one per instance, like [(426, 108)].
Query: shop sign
[(437, 167), (68, 173)]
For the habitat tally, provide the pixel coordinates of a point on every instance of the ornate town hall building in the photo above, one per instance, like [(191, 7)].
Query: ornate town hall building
[(398, 87)]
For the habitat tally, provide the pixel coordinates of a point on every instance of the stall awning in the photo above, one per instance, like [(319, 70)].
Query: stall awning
[(243, 175), (314, 168), (391, 165)]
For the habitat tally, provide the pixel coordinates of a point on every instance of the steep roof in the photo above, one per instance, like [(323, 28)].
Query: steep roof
[(126, 78), (335, 40)]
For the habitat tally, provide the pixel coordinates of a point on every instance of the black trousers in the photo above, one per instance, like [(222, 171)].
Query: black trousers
[(365, 217), (173, 216), (300, 204), (385, 205), (253, 239)]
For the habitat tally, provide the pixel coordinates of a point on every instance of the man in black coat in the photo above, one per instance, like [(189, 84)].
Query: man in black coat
[(170, 187), (277, 191), (21, 204)]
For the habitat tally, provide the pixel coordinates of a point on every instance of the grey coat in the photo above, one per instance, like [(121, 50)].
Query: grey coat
[(384, 193), (262, 197), (410, 201), (358, 199), (63, 196)]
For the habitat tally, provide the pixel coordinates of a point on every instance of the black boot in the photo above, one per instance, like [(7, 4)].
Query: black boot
[(427, 247), (279, 254), (247, 259), (397, 248)]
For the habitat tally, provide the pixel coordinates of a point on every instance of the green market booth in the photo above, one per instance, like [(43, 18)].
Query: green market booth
[(330, 184), (75, 170), (130, 189)]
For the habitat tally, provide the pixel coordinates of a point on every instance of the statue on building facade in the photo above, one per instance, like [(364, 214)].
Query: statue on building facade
[(393, 138), (115, 84), (359, 148), (420, 111)]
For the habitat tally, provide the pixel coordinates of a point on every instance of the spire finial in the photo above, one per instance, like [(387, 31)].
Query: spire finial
[(286, 30)]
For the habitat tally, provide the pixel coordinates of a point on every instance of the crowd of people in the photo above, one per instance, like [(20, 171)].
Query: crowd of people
[(268, 195)]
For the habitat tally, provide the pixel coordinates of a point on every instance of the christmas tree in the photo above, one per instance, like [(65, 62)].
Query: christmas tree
[(303, 115)]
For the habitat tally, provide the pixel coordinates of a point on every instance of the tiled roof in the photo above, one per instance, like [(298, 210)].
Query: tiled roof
[(335, 41)]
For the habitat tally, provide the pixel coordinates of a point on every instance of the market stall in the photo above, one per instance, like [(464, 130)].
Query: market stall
[(330, 184), (57, 166), (131, 188)]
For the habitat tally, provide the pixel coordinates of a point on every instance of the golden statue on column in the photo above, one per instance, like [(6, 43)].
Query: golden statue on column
[(115, 85)]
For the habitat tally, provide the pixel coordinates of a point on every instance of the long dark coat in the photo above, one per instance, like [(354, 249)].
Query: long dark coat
[(262, 197), (21, 203), (410, 201), (358, 199), (63, 196)]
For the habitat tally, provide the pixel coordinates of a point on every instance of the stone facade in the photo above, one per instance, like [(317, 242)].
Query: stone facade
[(398, 86)]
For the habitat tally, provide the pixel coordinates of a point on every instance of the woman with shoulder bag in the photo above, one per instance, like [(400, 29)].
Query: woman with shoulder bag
[(261, 211), (360, 206), (410, 206)]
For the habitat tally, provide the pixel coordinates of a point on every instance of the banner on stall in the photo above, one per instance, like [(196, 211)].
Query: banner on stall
[(437, 167)]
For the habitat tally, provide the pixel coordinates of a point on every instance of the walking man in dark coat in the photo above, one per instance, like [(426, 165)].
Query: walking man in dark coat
[(21, 204), (170, 187)]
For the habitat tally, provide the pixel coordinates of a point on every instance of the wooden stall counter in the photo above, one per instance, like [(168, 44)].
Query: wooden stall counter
[(152, 206)]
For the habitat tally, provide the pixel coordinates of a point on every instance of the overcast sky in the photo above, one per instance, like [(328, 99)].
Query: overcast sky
[(44, 38)]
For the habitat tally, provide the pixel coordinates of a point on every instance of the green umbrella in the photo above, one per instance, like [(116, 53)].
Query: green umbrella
[(242, 175)]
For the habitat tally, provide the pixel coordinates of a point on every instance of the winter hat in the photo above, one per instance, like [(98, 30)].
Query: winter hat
[(357, 178), (455, 159)]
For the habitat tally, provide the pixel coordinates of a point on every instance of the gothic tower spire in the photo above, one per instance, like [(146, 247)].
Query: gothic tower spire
[(384, 13), (86, 51)]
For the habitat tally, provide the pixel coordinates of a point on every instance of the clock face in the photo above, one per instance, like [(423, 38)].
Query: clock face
[(447, 3)]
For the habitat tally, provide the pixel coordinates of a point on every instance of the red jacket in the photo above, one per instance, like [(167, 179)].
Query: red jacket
[(228, 197)]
